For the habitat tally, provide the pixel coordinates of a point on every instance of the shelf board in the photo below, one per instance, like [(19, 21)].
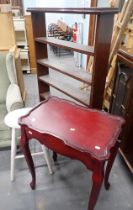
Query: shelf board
[(83, 10), (68, 70), (67, 89), (21, 43), (25, 67), (19, 30), (66, 45)]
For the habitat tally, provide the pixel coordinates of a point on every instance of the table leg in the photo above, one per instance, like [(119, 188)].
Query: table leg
[(26, 151), (97, 179), (110, 164), (13, 154)]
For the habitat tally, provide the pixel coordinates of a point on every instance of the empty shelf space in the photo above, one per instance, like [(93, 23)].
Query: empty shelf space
[(69, 90), (69, 70), (67, 45)]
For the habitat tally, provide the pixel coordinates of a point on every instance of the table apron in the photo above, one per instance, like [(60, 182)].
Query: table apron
[(58, 146)]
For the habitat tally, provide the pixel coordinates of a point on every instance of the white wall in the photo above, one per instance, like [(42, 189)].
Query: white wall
[(61, 3), (29, 3), (70, 19), (103, 3)]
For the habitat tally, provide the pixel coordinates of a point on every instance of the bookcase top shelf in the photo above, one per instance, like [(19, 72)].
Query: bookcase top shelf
[(91, 10)]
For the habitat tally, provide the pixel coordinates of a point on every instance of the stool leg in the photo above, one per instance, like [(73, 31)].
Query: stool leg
[(47, 158), (13, 154)]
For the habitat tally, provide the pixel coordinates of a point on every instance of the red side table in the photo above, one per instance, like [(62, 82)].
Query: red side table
[(84, 134)]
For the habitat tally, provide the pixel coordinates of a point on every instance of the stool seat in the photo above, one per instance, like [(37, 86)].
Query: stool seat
[(11, 119), (88, 135)]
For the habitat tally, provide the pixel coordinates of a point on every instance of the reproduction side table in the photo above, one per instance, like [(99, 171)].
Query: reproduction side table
[(77, 132), (11, 120)]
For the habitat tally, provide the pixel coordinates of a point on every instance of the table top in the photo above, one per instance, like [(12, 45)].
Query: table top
[(84, 129), (11, 119)]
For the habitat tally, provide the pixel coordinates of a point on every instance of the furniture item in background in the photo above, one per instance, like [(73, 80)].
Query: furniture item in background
[(10, 96), (5, 7), (122, 103), (21, 41), (20, 32), (91, 38), (17, 6), (4, 1), (7, 35), (93, 141), (19, 73), (119, 39), (100, 51), (8, 43), (11, 120), (121, 23), (31, 45), (60, 30)]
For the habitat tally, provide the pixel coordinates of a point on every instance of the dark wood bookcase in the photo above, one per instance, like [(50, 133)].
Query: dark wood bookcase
[(100, 51), (122, 103)]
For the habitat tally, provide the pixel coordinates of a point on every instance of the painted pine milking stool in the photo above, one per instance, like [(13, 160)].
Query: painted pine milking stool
[(11, 120), (80, 133)]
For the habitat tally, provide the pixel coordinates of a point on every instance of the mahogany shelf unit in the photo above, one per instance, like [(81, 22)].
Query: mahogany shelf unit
[(100, 51)]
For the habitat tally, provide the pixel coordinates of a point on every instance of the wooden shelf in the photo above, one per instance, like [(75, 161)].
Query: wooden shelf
[(75, 10), (7, 34), (71, 71), (22, 43), (25, 68), (71, 91), (21, 40), (66, 45)]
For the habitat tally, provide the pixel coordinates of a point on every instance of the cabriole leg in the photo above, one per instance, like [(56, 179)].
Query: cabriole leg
[(110, 164), (24, 143)]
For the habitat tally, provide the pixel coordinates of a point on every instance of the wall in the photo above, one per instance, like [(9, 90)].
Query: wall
[(103, 3), (30, 3)]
